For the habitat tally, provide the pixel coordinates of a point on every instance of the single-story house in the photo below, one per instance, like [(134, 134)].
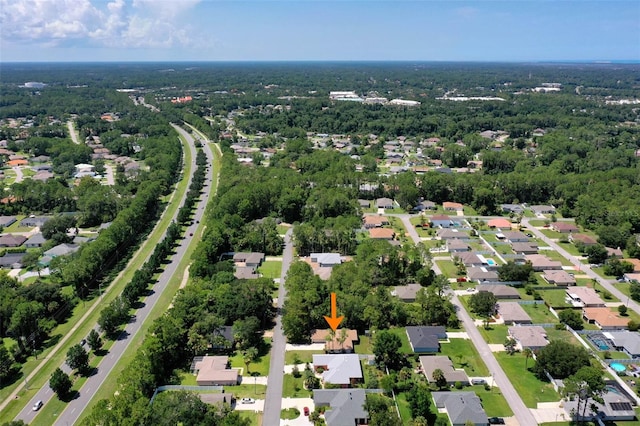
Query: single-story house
[(449, 234), (615, 407), (631, 276), (512, 208), (512, 313), (251, 260), (450, 206), (540, 262), (384, 203), (462, 408), (584, 239), (35, 241), (425, 338), (634, 262), (441, 220), (11, 260), (604, 318), (430, 363), (382, 233), (34, 221), (338, 369), (564, 227), (481, 274), (500, 291), (499, 223), (543, 209), (345, 407), (625, 341), (10, 240), (525, 248), (584, 297), (371, 221), (326, 259), (456, 245), (425, 205), (558, 277), (217, 398), (406, 293), (61, 250), (469, 259), (334, 345), (7, 221), (246, 273), (364, 204), (614, 252), (528, 336), (215, 371), (515, 237)]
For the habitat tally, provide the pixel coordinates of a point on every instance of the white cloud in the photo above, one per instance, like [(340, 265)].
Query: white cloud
[(119, 23)]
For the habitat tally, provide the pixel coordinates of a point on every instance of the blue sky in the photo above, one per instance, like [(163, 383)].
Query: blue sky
[(265, 30)]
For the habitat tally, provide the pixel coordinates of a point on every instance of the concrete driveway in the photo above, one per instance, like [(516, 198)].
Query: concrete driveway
[(298, 403)]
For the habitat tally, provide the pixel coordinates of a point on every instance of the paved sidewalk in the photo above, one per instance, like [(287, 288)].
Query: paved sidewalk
[(311, 347), (548, 412), (298, 403)]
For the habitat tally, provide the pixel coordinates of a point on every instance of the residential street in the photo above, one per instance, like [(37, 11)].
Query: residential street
[(273, 400), (75, 408), (520, 411)]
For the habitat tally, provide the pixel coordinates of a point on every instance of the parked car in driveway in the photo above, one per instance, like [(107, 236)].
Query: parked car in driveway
[(247, 401), (306, 411)]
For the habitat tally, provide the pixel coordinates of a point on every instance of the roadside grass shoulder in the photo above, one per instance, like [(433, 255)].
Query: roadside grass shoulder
[(293, 387), (495, 334), (493, 401)]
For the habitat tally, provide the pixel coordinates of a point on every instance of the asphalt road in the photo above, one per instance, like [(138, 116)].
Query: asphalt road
[(520, 411), (75, 408), (583, 268), (273, 398)]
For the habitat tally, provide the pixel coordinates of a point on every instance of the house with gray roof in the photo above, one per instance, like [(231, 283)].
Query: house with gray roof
[(528, 336), (345, 407), (468, 259), (512, 208), (457, 245), (251, 259), (35, 241), (462, 408), (338, 369), (384, 203), (431, 363), (625, 341), (515, 237), (450, 234), (326, 259), (11, 260), (525, 248), (543, 209), (33, 221), (615, 406), (7, 221), (61, 250), (425, 205), (512, 313), (481, 274), (500, 291), (364, 204), (425, 338), (406, 293)]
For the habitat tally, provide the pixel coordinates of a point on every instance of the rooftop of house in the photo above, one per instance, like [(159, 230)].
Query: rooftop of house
[(461, 407), (499, 290), (347, 405), (512, 312), (604, 317), (431, 363), (350, 338), (340, 369), (529, 336), (408, 291), (586, 296), (425, 336)]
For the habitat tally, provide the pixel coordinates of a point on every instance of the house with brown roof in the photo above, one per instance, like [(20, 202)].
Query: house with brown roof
[(584, 297), (500, 291), (451, 206), (604, 318), (564, 227), (583, 239), (540, 262), (449, 234), (371, 221), (515, 237), (215, 371), (529, 336), (512, 313), (336, 344), (10, 240), (634, 262), (441, 220), (430, 364), (382, 233), (558, 277), (499, 223), (525, 248), (406, 293)]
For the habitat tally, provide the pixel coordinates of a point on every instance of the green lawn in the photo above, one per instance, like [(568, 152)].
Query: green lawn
[(496, 334), (554, 298), (403, 406), (294, 387), (493, 401), (571, 249), (254, 418), (303, 356), (530, 389), (448, 268), (260, 365), (539, 313), (247, 391), (289, 414), (366, 344), (464, 355), (271, 269)]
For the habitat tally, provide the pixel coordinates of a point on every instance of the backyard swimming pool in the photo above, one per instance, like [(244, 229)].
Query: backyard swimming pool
[(491, 262), (617, 367)]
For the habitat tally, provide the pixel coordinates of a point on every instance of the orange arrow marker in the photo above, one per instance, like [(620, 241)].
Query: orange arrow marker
[(333, 321)]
